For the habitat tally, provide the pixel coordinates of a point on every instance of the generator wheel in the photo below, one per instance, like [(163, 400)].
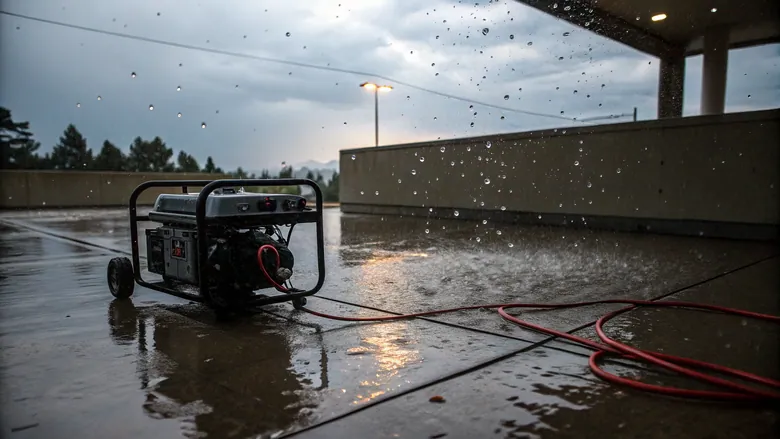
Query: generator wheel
[(299, 303), (121, 281)]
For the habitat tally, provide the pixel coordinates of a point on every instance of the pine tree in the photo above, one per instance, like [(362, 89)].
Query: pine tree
[(210, 167), (286, 172), (110, 158), (187, 163), (16, 151), (72, 152), (150, 156)]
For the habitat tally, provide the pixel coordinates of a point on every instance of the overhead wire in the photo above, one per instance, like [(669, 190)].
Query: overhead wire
[(284, 62)]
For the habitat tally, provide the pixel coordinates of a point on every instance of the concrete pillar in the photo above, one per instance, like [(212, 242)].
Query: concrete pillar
[(714, 70), (671, 78)]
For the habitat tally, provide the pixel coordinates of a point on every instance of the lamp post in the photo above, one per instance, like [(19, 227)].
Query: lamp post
[(377, 89)]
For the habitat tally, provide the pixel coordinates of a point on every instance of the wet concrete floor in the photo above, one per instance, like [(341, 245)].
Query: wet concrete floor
[(76, 363)]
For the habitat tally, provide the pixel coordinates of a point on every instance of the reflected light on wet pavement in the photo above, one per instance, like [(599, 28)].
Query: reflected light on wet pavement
[(76, 363)]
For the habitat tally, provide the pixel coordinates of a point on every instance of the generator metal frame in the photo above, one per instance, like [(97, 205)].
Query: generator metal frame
[(202, 222)]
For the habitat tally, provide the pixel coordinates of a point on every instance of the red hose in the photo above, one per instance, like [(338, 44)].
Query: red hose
[(731, 391), (278, 264)]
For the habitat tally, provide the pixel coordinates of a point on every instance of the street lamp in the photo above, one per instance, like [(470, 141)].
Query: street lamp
[(377, 89)]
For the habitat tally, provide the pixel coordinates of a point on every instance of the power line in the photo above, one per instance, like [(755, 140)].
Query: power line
[(280, 61)]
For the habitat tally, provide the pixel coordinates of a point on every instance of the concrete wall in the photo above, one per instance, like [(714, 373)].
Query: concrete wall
[(714, 175), (44, 189)]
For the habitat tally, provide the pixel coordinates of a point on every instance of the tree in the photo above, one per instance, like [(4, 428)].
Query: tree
[(45, 162), (331, 192), (240, 173), (13, 133), (286, 172), (187, 163), (211, 168), (310, 176), (150, 156), (319, 180), (110, 158), (71, 152), (23, 156), (26, 156), (15, 146), (265, 174)]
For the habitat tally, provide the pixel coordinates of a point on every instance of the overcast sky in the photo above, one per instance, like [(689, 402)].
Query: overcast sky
[(258, 113)]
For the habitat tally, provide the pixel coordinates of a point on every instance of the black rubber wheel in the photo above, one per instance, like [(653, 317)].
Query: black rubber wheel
[(299, 303), (121, 281)]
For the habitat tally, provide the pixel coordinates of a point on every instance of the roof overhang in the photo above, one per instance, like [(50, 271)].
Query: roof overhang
[(750, 22)]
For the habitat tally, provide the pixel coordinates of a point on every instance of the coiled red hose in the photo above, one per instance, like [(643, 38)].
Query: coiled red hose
[(730, 391)]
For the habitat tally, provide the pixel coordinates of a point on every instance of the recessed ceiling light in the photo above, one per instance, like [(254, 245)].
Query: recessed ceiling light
[(658, 17), (714, 10)]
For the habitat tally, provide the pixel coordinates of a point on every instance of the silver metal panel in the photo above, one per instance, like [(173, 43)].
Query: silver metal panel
[(226, 205), (180, 265)]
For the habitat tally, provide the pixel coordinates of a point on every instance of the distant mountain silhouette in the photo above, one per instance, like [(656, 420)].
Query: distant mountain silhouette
[(301, 169)]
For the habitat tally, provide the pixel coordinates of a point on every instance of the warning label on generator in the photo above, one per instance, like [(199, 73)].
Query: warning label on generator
[(177, 249)]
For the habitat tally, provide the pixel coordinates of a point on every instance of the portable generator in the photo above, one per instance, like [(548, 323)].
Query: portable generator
[(226, 242)]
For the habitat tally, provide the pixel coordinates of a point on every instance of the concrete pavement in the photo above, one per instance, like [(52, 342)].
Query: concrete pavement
[(75, 363)]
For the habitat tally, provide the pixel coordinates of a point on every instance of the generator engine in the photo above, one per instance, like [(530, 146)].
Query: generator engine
[(239, 224)]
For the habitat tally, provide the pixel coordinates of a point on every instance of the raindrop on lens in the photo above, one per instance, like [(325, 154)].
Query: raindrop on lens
[(422, 159), (503, 207), (203, 125), (456, 213), (427, 231), (151, 107), (78, 105), (353, 156), (178, 88), (132, 75), (414, 172), (487, 181), (376, 193), (178, 115), (442, 149), (619, 170), (488, 144), (287, 34)]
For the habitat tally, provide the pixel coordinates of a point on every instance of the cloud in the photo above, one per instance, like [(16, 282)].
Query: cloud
[(278, 112)]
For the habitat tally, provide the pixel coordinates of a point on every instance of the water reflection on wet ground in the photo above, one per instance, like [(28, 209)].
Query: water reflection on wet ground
[(77, 364)]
